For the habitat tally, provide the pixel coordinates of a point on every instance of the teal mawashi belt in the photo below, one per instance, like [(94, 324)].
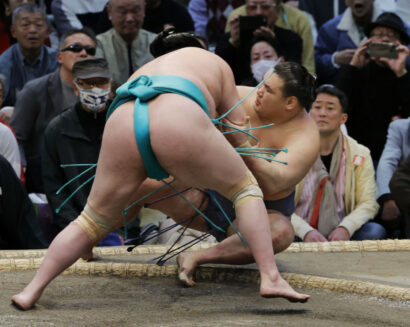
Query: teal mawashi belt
[(142, 90)]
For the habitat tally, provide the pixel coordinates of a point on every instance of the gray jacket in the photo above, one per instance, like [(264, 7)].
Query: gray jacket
[(37, 104), (396, 149)]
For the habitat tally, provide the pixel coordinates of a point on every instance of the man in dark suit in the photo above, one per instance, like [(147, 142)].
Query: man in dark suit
[(44, 98)]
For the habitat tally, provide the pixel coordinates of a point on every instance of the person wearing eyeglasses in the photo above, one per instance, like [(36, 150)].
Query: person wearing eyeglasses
[(339, 38), (29, 58), (126, 45), (377, 82), (44, 98)]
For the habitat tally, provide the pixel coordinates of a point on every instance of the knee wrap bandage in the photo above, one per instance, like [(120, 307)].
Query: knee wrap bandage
[(245, 190), (94, 226)]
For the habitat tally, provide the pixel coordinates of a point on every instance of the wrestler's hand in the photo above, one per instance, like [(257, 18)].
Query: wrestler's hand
[(238, 139), (339, 234), (314, 236)]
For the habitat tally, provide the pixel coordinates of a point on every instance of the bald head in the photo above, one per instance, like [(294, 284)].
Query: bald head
[(127, 17)]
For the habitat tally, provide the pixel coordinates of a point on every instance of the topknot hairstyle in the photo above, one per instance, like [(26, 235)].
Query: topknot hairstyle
[(168, 40)]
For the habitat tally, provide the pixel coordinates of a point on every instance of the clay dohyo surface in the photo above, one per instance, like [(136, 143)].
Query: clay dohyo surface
[(73, 300), (114, 301)]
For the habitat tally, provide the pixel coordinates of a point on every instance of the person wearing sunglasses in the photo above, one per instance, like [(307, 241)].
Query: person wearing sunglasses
[(44, 98)]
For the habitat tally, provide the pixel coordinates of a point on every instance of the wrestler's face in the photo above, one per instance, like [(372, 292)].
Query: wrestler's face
[(327, 113), (270, 101), (127, 17)]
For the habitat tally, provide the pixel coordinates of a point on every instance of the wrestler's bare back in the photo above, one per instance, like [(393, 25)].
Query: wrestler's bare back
[(205, 69)]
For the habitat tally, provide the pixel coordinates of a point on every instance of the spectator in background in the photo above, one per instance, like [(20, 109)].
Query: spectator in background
[(283, 16), (29, 58), (377, 88), (397, 148), (69, 14), (338, 195), (323, 10), (44, 98), (8, 145), (400, 189), (9, 148), (235, 50), (266, 53), (160, 14), (339, 38), (6, 111), (210, 17), (126, 45), (19, 228), (74, 137), (6, 9)]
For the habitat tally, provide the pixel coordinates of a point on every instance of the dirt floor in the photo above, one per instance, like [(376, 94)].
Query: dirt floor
[(114, 301)]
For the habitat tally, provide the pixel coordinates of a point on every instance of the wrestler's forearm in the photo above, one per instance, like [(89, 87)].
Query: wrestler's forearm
[(271, 176)]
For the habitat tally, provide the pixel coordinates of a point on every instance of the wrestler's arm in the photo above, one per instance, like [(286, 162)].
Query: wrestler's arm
[(275, 177), (229, 99)]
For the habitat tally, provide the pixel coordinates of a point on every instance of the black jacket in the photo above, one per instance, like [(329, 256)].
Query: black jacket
[(19, 228), (375, 96), (73, 137)]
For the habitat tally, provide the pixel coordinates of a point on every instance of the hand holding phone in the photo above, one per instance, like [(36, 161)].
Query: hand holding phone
[(382, 50), (248, 24)]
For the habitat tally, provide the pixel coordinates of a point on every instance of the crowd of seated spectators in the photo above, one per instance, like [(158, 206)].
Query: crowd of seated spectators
[(57, 57)]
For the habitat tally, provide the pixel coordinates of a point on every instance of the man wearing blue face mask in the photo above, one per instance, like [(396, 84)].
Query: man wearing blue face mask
[(74, 137)]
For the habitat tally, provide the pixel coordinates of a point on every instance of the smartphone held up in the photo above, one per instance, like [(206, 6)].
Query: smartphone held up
[(382, 50)]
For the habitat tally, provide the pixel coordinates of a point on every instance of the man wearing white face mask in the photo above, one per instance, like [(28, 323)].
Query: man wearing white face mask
[(74, 137)]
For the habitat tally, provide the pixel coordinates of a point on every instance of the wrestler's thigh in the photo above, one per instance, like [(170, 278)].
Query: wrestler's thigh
[(120, 170), (191, 148)]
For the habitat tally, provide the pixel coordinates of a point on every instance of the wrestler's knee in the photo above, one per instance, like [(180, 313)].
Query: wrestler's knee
[(244, 191), (282, 232), (93, 225)]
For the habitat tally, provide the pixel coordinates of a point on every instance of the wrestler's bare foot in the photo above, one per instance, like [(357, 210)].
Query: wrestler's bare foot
[(280, 288), (24, 300), (186, 268)]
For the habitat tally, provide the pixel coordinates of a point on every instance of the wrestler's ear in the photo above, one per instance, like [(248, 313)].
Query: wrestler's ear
[(291, 102)]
